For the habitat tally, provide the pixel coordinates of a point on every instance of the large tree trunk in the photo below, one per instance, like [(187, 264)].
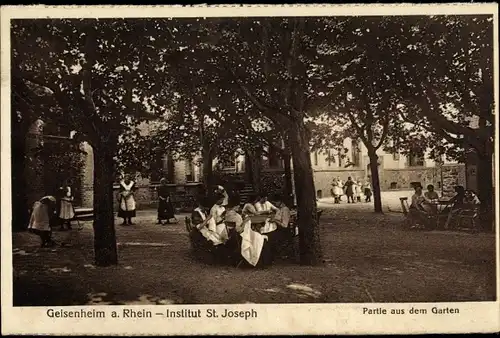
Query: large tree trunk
[(104, 227), (485, 188), (485, 180), (20, 215), (309, 237), (377, 199)]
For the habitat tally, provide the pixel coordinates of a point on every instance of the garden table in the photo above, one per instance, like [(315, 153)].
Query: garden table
[(258, 221), (440, 204)]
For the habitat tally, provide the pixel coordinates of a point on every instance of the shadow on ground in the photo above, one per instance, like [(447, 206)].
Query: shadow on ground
[(367, 258)]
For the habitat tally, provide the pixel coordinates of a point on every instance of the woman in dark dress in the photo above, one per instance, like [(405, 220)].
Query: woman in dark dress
[(165, 206)]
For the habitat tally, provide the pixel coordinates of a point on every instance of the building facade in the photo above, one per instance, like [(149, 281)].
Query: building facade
[(396, 171)]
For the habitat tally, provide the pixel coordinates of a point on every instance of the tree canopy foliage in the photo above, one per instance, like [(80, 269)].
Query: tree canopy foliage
[(216, 85)]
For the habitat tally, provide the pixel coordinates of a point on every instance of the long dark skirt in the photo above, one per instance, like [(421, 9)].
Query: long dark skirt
[(165, 210), (126, 213)]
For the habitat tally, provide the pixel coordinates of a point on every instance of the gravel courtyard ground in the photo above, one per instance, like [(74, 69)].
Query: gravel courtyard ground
[(368, 258)]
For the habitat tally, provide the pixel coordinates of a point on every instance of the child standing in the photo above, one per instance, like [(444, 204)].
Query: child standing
[(66, 210), (368, 192)]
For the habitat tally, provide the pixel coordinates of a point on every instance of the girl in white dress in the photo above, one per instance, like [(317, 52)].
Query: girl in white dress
[(66, 210)]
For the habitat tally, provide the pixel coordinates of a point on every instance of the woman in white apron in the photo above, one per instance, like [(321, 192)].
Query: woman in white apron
[(127, 201)]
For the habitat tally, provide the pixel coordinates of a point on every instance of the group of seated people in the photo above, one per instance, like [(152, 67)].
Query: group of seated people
[(227, 230), (425, 205)]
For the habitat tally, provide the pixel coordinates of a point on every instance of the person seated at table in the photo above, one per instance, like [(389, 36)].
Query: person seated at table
[(233, 215), (459, 202), (471, 198), (199, 214), (417, 212), (278, 224), (249, 207), (431, 194), (280, 219), (234, 222), (201, 222), (217, 213), (430, 200), (263, 206)]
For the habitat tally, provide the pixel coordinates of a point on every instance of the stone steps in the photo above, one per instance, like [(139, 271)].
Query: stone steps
[(246, 193), (84, 213)]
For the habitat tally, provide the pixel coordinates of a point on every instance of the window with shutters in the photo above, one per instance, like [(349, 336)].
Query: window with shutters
[(415, 160)]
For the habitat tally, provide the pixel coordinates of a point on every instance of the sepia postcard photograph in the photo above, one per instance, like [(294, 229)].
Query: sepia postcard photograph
[(293, 169)]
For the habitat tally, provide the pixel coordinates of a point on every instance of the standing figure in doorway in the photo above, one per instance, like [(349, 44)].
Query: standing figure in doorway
[(66, 210), (127, 201), (165, 206)]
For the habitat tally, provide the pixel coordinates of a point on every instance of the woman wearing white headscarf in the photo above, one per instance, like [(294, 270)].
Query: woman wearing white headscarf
[(41, 220)]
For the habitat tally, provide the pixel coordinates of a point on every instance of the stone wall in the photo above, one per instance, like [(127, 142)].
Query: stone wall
[(449, 177), (391, 179), (453, 175), (146, 196)]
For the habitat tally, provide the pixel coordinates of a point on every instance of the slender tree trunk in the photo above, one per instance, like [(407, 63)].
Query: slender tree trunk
[(257, 171), (255, 157), (288, 175), (377, 198), (248, 167), (20, 206), (309, 237), (104, 227)]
